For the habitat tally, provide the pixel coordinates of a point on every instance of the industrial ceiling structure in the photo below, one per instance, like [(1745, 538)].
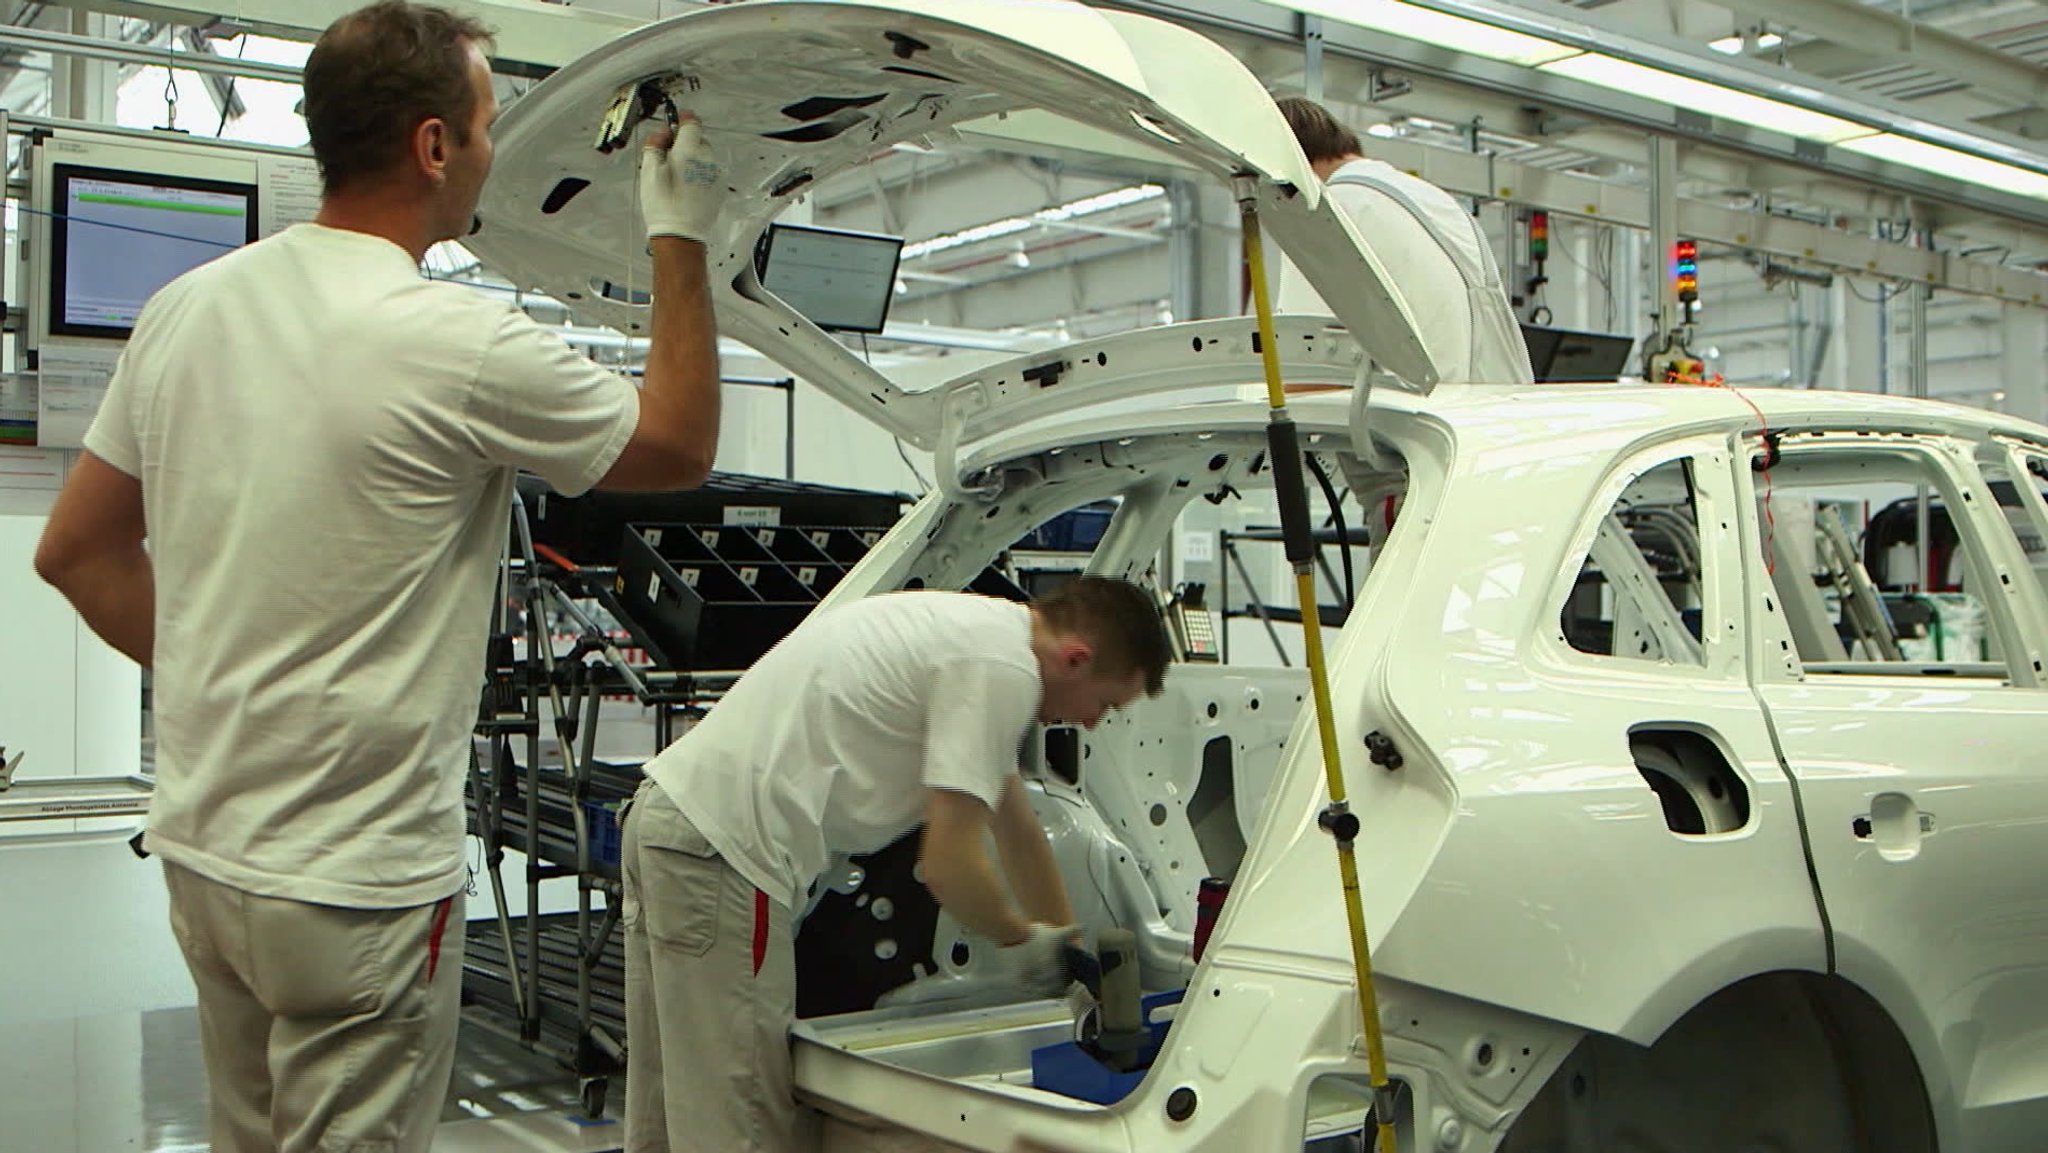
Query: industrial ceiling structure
[(1846, 169)]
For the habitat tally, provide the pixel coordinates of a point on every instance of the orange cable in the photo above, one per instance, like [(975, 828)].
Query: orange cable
[(551, 556)]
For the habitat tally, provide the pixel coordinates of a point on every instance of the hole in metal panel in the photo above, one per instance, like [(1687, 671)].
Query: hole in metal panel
[(1063, 753), (818, 131), (620, 292), (919, 72), (819, 107), (562, 193), (1698, 790), (1212, 811)]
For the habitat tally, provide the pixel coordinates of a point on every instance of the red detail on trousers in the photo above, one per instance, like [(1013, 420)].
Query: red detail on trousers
[(760, 929), (434, 941)]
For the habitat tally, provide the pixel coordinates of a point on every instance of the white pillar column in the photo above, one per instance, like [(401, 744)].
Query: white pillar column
[(2024, 333), (83, 89), (1852, 361)]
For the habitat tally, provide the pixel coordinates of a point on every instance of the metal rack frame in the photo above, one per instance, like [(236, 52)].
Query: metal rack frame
[(1226, 548), (521, 974)]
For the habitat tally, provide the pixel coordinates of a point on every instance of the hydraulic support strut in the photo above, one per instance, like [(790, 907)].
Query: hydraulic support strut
[(1284, 452)]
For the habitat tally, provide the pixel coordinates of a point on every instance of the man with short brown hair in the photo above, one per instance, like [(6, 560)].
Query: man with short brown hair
[(319, 445), (375, 74), (871, 718)]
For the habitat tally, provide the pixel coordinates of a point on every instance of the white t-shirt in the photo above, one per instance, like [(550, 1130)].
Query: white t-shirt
[(326, 443), (1443, 267), (829, 743)]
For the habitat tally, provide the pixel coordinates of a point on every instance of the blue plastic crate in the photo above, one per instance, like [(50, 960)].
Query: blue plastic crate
[(602, 820), (1071, 1071)]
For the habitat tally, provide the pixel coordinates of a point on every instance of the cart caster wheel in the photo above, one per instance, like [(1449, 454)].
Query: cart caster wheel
[(594, 1091)]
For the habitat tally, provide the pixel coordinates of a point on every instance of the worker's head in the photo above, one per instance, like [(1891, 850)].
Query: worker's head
[(1326, 143), (1101, 644), (398, 99)]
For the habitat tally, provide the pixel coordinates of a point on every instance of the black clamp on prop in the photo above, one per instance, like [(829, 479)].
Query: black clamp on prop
[(1284, 447), (1340, 822), (1386, 1101)]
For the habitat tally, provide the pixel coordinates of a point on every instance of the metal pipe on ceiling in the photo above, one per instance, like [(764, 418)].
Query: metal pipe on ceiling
[(531, 39), (64, 43), (25, 125)]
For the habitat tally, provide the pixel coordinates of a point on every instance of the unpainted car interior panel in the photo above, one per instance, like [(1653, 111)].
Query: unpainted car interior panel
[(1685, 844)]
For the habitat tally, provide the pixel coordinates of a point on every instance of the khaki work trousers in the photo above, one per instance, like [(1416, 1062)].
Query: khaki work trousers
[(710, 994), (324, 1030)]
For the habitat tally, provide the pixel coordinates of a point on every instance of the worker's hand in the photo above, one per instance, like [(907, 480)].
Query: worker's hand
[(1044, 963), (681, 183)]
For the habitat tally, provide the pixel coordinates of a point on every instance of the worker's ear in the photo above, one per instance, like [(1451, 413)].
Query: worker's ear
[(430, 149), (1076, 655)]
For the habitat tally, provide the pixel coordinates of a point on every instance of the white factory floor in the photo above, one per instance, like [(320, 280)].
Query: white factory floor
[(99, 1042)]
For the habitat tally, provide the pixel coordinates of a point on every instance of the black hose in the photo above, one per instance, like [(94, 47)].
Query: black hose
[(1343, 534)]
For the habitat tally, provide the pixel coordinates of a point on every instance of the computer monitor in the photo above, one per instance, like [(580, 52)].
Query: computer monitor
[(840, 281), (118, 236), (1557, 354)]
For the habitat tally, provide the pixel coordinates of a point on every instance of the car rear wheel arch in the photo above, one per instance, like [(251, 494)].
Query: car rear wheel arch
[(1790, 1060)]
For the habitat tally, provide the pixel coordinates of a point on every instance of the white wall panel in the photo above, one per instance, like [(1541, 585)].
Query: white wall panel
[(38, 678)]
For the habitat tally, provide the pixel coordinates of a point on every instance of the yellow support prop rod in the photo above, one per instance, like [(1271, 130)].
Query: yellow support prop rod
[(1285, 458)]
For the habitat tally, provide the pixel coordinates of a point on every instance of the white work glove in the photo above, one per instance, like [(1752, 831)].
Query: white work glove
[(1038, 964), (681, 185)]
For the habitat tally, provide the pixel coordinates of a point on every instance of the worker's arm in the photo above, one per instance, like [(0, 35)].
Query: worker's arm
[(1027, 858), (954, 860), (676, 439), (92, 552)]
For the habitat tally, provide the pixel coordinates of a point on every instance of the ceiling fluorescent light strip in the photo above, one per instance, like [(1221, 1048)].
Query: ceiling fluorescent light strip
[(1733, 45), (1103, 202), (996, 229), (1713, 99), (993, 230), (1949, 162)]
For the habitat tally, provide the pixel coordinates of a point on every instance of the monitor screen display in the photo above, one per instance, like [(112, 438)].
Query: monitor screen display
[(1590, 356), (839, 281), (1557, 354), (119, 236), (1542, 344)]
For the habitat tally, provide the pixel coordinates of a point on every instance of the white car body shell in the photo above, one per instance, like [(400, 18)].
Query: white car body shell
[(1525, 894)]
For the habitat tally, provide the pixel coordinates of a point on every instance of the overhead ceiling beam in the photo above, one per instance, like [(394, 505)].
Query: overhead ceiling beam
[(1891, 38), (1491, 177), (93, 47), (1549, 90), (1082, 226), (2031, 123), (1812, 245), (541, 37), (532, 37), (537, 37), (1495, 178), (885, 174), (225, 97), (1348, 86)]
